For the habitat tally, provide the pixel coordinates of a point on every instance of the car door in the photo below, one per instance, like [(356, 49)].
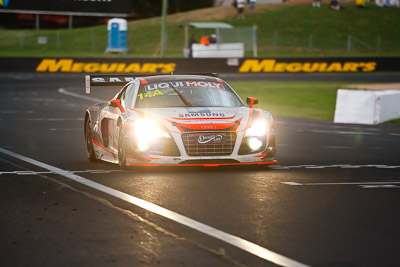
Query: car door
[(108, 124)]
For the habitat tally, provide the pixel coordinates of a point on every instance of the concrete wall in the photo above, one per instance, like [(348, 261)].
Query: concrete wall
[(367, 107)]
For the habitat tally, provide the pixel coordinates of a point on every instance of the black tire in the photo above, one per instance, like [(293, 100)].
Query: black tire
[(121, 150), (88, 140)]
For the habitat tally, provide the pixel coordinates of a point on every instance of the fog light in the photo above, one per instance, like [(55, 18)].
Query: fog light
[(254, 143)]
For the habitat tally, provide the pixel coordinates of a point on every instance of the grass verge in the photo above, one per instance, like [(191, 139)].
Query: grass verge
[(313, 100)]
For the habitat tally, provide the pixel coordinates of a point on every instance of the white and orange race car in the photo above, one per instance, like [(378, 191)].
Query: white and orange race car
[(185, 120)]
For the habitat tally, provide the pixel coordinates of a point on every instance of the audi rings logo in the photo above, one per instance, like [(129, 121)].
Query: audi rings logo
[(204, 139)]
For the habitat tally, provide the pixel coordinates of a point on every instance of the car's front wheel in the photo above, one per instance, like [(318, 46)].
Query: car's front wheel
[(121, 149), (88, 140)]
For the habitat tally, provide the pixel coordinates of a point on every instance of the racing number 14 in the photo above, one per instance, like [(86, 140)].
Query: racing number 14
[(150, 94)]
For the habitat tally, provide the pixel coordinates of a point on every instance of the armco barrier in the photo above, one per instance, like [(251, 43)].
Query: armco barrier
[(367, 107), (184, 65)]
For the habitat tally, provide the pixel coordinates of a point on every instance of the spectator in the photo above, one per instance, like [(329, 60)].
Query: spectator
[(335, 5), (252, 5), (204, 40), (192, 41), (316, 3), (240, 8), (234, 4), (360, 3), (213, 38)]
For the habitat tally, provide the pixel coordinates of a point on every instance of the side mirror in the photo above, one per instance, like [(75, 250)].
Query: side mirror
[(113, 103), (250, 101), (116, 104)]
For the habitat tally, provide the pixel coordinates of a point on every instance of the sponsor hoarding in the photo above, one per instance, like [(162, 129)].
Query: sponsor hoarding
[(180, 65)]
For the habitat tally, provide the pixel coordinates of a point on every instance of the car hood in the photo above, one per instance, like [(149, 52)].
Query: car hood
[(200, 119)]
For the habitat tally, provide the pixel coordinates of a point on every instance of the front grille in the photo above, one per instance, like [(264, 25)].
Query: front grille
[(209, 143)]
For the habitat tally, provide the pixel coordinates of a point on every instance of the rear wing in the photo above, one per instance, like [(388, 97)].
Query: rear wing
[(121, 80), (106, 80)]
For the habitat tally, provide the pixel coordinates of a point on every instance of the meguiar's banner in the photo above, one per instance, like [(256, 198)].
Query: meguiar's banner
[(220, 65)]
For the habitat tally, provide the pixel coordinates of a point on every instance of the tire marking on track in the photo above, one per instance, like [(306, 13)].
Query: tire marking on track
[(65, 92), (338, 147), (343, 132), (213, 232)]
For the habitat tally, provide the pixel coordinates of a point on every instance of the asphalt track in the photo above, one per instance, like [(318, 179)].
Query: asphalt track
[(333, 200)]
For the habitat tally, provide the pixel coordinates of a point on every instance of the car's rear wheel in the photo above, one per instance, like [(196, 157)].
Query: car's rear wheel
[(121, 150), (88, 139)]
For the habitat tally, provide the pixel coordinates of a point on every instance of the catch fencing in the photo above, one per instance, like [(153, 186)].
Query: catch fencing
[(256, 42), (311, 42)]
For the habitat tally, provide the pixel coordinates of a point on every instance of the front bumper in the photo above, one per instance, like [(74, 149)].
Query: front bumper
[(264, 156)]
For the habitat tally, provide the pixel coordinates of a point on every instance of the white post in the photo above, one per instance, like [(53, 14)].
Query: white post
[(349, 44), (275, 41), (164, 32), (22, 40), (378, 49), (58, 39), (92, 39), (37, 21), (255, 52)]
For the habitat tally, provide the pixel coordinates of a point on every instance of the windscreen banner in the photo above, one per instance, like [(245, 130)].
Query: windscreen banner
[(70, 6), (182, 65)]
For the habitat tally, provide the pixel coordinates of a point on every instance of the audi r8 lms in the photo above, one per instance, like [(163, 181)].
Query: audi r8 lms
[(185, 120)]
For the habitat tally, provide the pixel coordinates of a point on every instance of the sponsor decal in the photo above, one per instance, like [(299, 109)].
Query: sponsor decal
[(182, 84), (4, 3), (214, 138), (196, 110), (208, 127), (272, 65), (70, 65), (141, 96), (232, 62), (112, 79), (201, 115)]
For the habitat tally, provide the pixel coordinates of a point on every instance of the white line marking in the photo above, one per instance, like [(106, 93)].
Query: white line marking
[(343, 166), (49, 119), (49, 172), (380, 186), (291, 183), (350, 183), (65, 92), (228, 238)]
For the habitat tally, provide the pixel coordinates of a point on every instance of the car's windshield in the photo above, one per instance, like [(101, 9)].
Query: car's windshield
[(192, 93)]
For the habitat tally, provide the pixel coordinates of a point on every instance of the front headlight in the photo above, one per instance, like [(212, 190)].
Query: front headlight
[(146, 131), (255, 137), (258, 128)]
